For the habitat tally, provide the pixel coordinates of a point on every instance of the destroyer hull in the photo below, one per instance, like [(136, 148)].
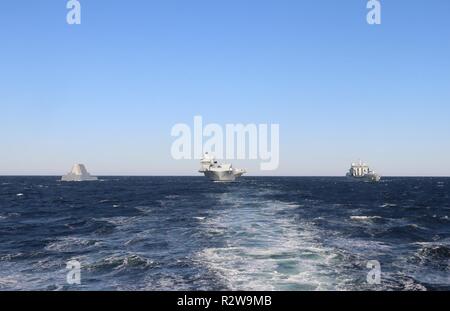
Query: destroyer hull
[(78, 178)]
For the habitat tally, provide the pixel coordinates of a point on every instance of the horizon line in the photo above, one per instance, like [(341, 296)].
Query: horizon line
[(247, 176)]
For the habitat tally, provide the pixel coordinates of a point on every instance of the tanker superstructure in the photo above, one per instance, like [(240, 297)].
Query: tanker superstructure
[(361, 172)]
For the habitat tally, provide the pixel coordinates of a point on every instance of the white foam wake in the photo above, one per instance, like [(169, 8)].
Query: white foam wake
[(265, 248)]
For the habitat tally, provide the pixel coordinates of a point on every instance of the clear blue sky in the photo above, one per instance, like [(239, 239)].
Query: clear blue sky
[(107, 92)]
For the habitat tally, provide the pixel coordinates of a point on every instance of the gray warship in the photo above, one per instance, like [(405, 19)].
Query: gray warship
[(361, 172), (78, 173), (216, 171)]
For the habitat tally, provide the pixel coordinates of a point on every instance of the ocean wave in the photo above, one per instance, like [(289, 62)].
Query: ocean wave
[(434, 252), (167, 282), (364, 218), (118, 220), (72, 244), (259, 233), (120, 262), (144, 208), (12, 256), (172, 197), (93, 225), (272, 256), (8, 282), (406, 232), (399, 282), (354, 246), (388, 205)]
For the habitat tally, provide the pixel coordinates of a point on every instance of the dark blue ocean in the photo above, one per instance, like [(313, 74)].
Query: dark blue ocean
[(186, 233)]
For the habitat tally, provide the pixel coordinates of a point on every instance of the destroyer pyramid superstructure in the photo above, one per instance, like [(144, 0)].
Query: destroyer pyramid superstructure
[(78, 173)]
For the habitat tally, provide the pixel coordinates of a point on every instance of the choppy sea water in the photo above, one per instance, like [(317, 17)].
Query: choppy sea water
[(186, 233)]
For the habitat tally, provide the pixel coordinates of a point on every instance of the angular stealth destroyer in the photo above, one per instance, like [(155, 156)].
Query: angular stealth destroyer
[(78, 173), (219, 171), (361, 172)]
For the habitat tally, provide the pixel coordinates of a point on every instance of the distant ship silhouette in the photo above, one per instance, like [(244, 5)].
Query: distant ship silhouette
[(361, 171), (216, 171), (78, 173)]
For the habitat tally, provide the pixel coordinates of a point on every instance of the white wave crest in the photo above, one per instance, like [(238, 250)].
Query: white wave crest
[(264, 250)]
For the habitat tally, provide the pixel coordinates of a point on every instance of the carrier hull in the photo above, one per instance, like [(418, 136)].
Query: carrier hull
[(220, 176)]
